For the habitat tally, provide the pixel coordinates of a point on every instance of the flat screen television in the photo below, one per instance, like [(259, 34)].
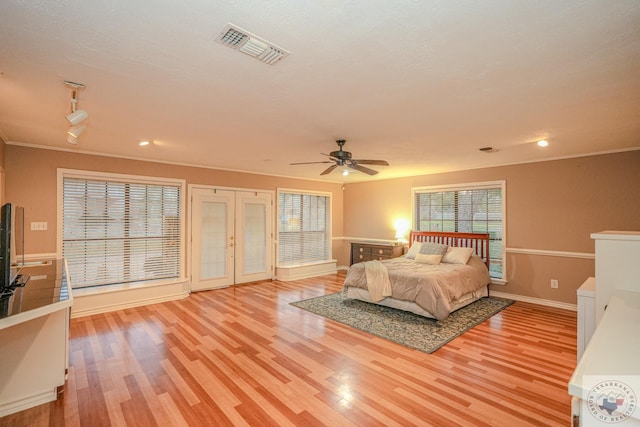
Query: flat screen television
[(11, 245)]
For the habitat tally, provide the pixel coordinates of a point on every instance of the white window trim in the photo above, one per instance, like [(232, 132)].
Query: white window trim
[(277, 234), (82, 174), (471, 186)]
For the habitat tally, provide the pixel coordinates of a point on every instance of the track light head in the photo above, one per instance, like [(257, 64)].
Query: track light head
[(75, 131), (77, 117), (72, 139)]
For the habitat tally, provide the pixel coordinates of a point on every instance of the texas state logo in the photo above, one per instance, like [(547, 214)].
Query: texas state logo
[(611, 401)]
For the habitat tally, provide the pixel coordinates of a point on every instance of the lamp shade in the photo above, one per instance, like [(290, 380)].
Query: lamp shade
[(75, 131), (77, 116), (402, 226)]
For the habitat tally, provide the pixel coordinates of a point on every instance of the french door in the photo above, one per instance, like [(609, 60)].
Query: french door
[(231, 237)]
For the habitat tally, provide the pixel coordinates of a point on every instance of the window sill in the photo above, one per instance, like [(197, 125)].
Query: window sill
[(302, 271), (306, 264), (102, 299)]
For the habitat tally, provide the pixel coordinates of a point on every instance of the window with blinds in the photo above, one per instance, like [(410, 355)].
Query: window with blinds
[(304, 232), (116, 231), (473, 208)]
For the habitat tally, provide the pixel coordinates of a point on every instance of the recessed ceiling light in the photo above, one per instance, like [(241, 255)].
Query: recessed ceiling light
[(543, 143), (144, 142)]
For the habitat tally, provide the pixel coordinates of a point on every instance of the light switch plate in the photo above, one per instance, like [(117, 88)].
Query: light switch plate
[(38, 226)]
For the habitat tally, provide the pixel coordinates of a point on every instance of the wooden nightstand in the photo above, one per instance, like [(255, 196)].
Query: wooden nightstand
[(361, 251)]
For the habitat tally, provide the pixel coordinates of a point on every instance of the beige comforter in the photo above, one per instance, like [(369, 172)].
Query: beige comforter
[(432, 287)]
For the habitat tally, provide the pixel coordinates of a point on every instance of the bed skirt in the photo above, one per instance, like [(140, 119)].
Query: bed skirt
[(363, 295)]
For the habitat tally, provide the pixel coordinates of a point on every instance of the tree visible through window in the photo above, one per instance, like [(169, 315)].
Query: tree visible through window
[(119, 232), (476, 209), (304, 232)]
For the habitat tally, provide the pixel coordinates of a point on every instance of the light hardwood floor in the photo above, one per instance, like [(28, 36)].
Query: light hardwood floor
[(244, 356)]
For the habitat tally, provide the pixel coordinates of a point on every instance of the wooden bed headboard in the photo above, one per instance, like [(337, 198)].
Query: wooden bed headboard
[(478, 241)]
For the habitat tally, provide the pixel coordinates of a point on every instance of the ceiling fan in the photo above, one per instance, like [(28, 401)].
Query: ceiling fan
[(343, 158)]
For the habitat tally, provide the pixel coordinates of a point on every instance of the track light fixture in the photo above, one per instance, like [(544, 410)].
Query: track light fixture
[(76, 117)]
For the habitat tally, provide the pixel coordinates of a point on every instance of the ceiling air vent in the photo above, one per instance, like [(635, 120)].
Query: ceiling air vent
[(242, 40)]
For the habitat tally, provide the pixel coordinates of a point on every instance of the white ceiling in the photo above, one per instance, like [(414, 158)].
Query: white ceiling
[(422, 84)]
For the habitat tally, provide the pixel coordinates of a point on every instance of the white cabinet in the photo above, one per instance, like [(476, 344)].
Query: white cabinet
[(608, 341), (586, 313), (617, 265), (34, 339), (609, 367)]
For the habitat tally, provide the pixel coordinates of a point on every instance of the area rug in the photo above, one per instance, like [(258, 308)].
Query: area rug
[(405, 328)]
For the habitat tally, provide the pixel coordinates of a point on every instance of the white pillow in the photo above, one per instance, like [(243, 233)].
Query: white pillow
[(457, 255), (428, 259), (413, 250)]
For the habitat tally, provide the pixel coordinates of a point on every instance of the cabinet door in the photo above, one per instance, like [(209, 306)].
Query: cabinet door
[(359, 253), (381, 252)]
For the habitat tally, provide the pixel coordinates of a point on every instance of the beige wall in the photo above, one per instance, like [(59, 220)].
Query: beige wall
[(551, 206), (32, 173)]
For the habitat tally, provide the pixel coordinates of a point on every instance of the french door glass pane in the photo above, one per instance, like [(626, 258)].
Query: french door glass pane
[(214, 240), (255, 243)]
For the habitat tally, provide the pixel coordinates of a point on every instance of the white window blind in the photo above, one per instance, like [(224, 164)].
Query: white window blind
[(118, 232), (473, 208), (304, 232)]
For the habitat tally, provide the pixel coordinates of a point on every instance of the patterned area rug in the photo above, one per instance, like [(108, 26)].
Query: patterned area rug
[(405, 328)]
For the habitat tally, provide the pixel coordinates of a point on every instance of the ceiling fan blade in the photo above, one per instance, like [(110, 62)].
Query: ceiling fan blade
[(372, 162), (329, 169), (309, 163), (363, 169)]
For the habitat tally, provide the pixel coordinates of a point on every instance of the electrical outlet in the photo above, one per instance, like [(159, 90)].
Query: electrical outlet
[(554, 283)]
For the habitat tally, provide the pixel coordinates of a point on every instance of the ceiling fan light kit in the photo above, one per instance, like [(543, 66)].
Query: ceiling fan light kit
[(343, 158), (76, 117)]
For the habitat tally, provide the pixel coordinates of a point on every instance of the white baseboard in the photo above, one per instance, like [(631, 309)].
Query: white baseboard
[(28, 402), (533, 300)]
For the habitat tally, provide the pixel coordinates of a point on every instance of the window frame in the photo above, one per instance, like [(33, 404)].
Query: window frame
[(485, 185), (328, 231), (63, 174)]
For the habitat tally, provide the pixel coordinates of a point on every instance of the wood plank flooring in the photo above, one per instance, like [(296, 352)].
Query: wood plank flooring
[(244, 356)]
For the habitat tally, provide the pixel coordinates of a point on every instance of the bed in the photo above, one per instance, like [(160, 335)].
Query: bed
[(440, 273)]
